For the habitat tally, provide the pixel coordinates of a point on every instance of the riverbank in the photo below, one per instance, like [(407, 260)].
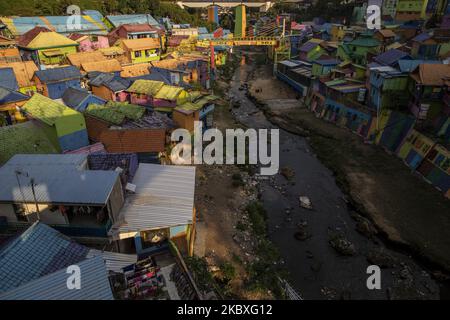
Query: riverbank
[(406, 209), (232, 258)]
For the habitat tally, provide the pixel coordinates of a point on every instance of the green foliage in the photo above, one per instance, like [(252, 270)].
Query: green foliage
[(258, 216), (199, 269)]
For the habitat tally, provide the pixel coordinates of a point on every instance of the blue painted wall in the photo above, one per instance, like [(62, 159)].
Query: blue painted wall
[(57, 89), (74, 141)]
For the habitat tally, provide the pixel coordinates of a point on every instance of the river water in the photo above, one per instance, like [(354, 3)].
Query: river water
[(318, 271)]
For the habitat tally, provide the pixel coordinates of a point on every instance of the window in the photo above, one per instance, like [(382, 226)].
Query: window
[(137, 54), (148, 53)]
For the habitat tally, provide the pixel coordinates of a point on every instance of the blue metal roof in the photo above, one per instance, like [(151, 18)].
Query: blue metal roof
[(118, 20), (8, 96), (421, 37), (410, 65), (8, 79), (391, 57), (58, 74), (94, 285), (90, 187), (76, 98), (38, 251), (113, 82), (91, 22), (308, 46)]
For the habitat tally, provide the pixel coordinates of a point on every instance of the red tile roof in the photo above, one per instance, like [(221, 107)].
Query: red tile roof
[(27, 37)]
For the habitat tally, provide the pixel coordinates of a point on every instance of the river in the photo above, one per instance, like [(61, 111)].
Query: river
[(317, 270)]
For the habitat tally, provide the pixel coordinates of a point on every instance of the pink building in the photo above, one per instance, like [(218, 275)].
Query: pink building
[(89, 43)]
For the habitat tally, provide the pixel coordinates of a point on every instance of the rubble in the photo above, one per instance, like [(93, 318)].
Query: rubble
[(305, 203)]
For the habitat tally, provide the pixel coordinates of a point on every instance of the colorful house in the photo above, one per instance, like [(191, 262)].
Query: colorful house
[(390, 129), (90, 42), (142, 50), (435, 168), (344, 106), (358, 49), (296, 74), (391, 58), (127, 128), (53, 83), (115, 21), (64, 126), (79, 99), (337, 32), (110, 87), (136, 31), (8, 50), (142, 92), (385, 36), (10, 102), (387, 88), (324, 65), (105, 66), (311, 50), (24, 72), (90, 23), (427, 90), (424, 46), (408, 10), (63, 185), (172, 217), (156, 94), (200, 108), (45, 47), (77, 58), (415, 148)]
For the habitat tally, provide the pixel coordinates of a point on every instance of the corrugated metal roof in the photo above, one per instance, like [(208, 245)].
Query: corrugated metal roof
[(23, 70), (148, 87), (94, 285), (96, 148), (289, 64), (110, 65), (114, 262), (27, 137), (8, 79), (76, 161), (111, 81), (91, 22), (46, 110), (168, 93), (410, 65), (164, 197), (50, 40), (76, 59), (38, 251), (391, 57), (8, 96), (58, 74), (141, 44), (118, 20), (58, 184)]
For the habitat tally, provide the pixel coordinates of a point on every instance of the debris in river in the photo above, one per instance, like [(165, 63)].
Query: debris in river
[(342, 245), (381, 258), (288, 173), (306, 203)]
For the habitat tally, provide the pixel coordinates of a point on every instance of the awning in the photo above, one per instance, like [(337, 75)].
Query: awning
[(53, 53)]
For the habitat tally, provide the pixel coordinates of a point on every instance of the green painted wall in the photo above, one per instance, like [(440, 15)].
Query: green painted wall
[(145, 56), (58, 59)]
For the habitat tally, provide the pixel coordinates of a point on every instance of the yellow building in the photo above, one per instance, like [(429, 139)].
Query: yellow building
[(142, 50)]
